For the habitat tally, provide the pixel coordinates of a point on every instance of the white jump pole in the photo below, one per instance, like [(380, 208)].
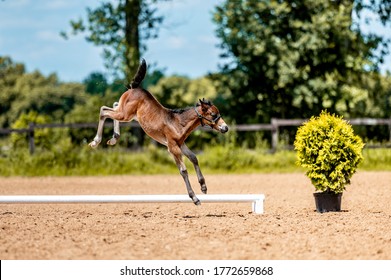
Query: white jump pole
[(256, 199)]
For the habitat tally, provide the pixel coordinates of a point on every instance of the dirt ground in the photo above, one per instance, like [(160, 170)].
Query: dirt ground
[(290, 228)]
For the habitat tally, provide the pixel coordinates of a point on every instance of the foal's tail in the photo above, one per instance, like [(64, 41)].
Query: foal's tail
[(140, 74)]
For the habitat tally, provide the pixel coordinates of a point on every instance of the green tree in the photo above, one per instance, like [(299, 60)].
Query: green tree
[(180, 92), (121, 27), (96, 83), (42, 137), (9, 74), (21, 93), (294, 58)]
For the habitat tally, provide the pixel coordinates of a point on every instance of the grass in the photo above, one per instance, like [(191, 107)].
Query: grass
[(376, 160), (71, 161)]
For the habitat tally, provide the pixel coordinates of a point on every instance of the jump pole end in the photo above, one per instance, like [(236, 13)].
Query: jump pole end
[(257, 205)]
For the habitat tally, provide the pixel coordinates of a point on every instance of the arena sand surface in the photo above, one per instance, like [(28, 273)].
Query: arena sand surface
[(290, 228)]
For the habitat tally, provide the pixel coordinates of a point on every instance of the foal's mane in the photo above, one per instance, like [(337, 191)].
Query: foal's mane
[(182, 110)]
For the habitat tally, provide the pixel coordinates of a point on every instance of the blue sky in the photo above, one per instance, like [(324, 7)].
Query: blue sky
[(29, 34)]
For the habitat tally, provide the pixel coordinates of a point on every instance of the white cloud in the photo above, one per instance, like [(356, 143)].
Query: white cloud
[(175, 42)]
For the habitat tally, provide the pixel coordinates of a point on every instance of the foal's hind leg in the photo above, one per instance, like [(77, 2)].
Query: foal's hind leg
[(116, 134), (192, 157), (103, 115)]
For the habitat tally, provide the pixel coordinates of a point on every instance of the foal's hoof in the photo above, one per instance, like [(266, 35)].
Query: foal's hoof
[(93, 144), (196, 201), (112, 142)]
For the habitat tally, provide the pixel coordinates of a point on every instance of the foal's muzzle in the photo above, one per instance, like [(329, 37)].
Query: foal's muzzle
[(223, 128)]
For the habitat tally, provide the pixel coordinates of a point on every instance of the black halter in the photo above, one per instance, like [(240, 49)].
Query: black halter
[(211, 121)]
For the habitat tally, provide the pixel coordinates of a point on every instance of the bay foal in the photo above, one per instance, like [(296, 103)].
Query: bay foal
[(169, 127)]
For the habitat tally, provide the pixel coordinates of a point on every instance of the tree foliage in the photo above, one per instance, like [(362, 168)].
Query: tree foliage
[(21, 93), (121, 27), (44, 138), (281, 59), (180, 92), (9, 74), (96, 83), (294, 58)]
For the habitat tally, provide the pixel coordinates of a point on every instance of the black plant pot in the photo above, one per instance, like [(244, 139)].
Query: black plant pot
[(328, 202)]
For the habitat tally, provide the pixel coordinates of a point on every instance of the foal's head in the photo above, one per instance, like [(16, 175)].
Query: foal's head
[(210, 115)]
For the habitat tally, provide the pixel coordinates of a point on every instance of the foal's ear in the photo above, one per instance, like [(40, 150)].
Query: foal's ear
[(204, 104)]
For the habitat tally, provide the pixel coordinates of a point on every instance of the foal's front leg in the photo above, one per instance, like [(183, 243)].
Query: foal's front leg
[(176, 153), (193, 159)]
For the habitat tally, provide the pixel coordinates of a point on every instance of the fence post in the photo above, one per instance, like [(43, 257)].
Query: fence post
[(31, 138), (274, 134)]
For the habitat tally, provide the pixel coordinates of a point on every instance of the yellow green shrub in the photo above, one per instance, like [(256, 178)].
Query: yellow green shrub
[(330, 151)]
